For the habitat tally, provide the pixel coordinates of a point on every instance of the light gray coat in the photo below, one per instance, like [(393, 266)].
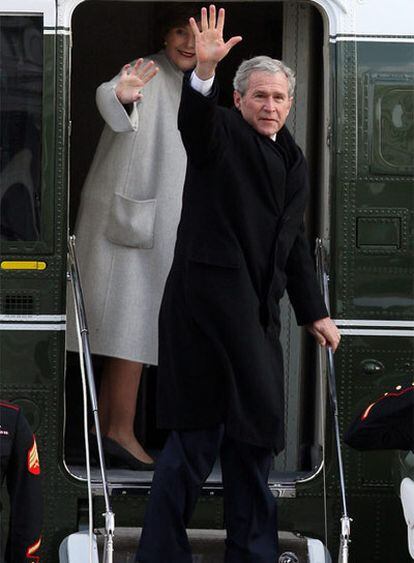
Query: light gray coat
[(128, 217)]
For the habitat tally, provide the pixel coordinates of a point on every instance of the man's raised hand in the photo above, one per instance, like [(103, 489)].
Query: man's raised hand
[(210, 46), (133, 79)]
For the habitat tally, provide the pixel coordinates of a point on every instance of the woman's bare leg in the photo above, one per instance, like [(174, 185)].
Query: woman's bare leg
[(117, 404)]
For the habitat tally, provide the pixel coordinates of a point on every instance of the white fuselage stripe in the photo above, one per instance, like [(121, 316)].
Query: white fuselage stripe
[(373, 332), (56, 31), (33, 318), (373, 39), (374, 323), (36, 326)]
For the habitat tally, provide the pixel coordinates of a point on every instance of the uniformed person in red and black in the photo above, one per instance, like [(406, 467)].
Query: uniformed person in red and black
[(19, 466)]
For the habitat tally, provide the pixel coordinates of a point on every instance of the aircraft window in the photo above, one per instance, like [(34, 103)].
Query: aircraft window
[(21, 70)]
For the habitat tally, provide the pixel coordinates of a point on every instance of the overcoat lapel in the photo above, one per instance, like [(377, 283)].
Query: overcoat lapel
[(271, 159), (294, 195)]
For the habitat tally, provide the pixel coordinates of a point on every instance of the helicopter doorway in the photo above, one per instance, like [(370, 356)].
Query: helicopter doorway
[(108, 33)]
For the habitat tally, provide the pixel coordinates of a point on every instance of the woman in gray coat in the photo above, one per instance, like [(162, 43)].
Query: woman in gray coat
[(126, 227)]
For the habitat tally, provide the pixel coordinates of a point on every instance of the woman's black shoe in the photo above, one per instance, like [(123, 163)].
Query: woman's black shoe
[(117, 456)]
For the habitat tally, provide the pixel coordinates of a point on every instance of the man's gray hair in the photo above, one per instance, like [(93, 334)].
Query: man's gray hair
[(262, 64)]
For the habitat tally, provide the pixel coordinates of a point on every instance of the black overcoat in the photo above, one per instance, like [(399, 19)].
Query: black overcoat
[(240, 243)]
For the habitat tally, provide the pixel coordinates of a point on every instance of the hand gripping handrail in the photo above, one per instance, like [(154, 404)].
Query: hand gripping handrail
[(86, 362), (345, 519)]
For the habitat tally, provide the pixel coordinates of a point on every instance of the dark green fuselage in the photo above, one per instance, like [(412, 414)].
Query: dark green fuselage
[(370, 210)]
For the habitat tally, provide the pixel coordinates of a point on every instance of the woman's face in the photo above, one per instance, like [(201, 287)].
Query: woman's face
[(180, 47)]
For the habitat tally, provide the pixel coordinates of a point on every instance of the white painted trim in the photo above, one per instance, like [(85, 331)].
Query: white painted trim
[(65, 12), (373, 332), (37, 326), (31, 7), (368, 17), (363, 322), (350, 17)]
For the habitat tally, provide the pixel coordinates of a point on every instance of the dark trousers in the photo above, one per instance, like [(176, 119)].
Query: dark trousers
[(249, 507)]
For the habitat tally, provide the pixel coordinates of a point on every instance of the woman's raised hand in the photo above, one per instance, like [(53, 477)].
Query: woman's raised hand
[(133, 79), (210, 46)]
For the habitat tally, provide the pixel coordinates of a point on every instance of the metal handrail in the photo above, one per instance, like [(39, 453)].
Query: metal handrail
[(345, 519), (85, 353)]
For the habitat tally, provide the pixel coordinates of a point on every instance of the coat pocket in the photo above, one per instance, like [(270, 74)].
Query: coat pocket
[(131, 222), (216, 255), (212, 277), (214, 267)]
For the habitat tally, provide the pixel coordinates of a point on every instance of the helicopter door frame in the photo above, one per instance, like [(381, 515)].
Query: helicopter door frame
[(65, 21)]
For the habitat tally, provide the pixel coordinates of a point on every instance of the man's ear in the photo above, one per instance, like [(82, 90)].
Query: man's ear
[(237, 99)]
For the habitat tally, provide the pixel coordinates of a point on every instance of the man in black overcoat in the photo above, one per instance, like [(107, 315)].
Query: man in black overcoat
[(240, 244)]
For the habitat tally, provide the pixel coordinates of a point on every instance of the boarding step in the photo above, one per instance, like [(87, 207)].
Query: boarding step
[(208, 546)]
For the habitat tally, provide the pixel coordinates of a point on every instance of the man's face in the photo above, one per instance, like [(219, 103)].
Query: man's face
[(266, 103)]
